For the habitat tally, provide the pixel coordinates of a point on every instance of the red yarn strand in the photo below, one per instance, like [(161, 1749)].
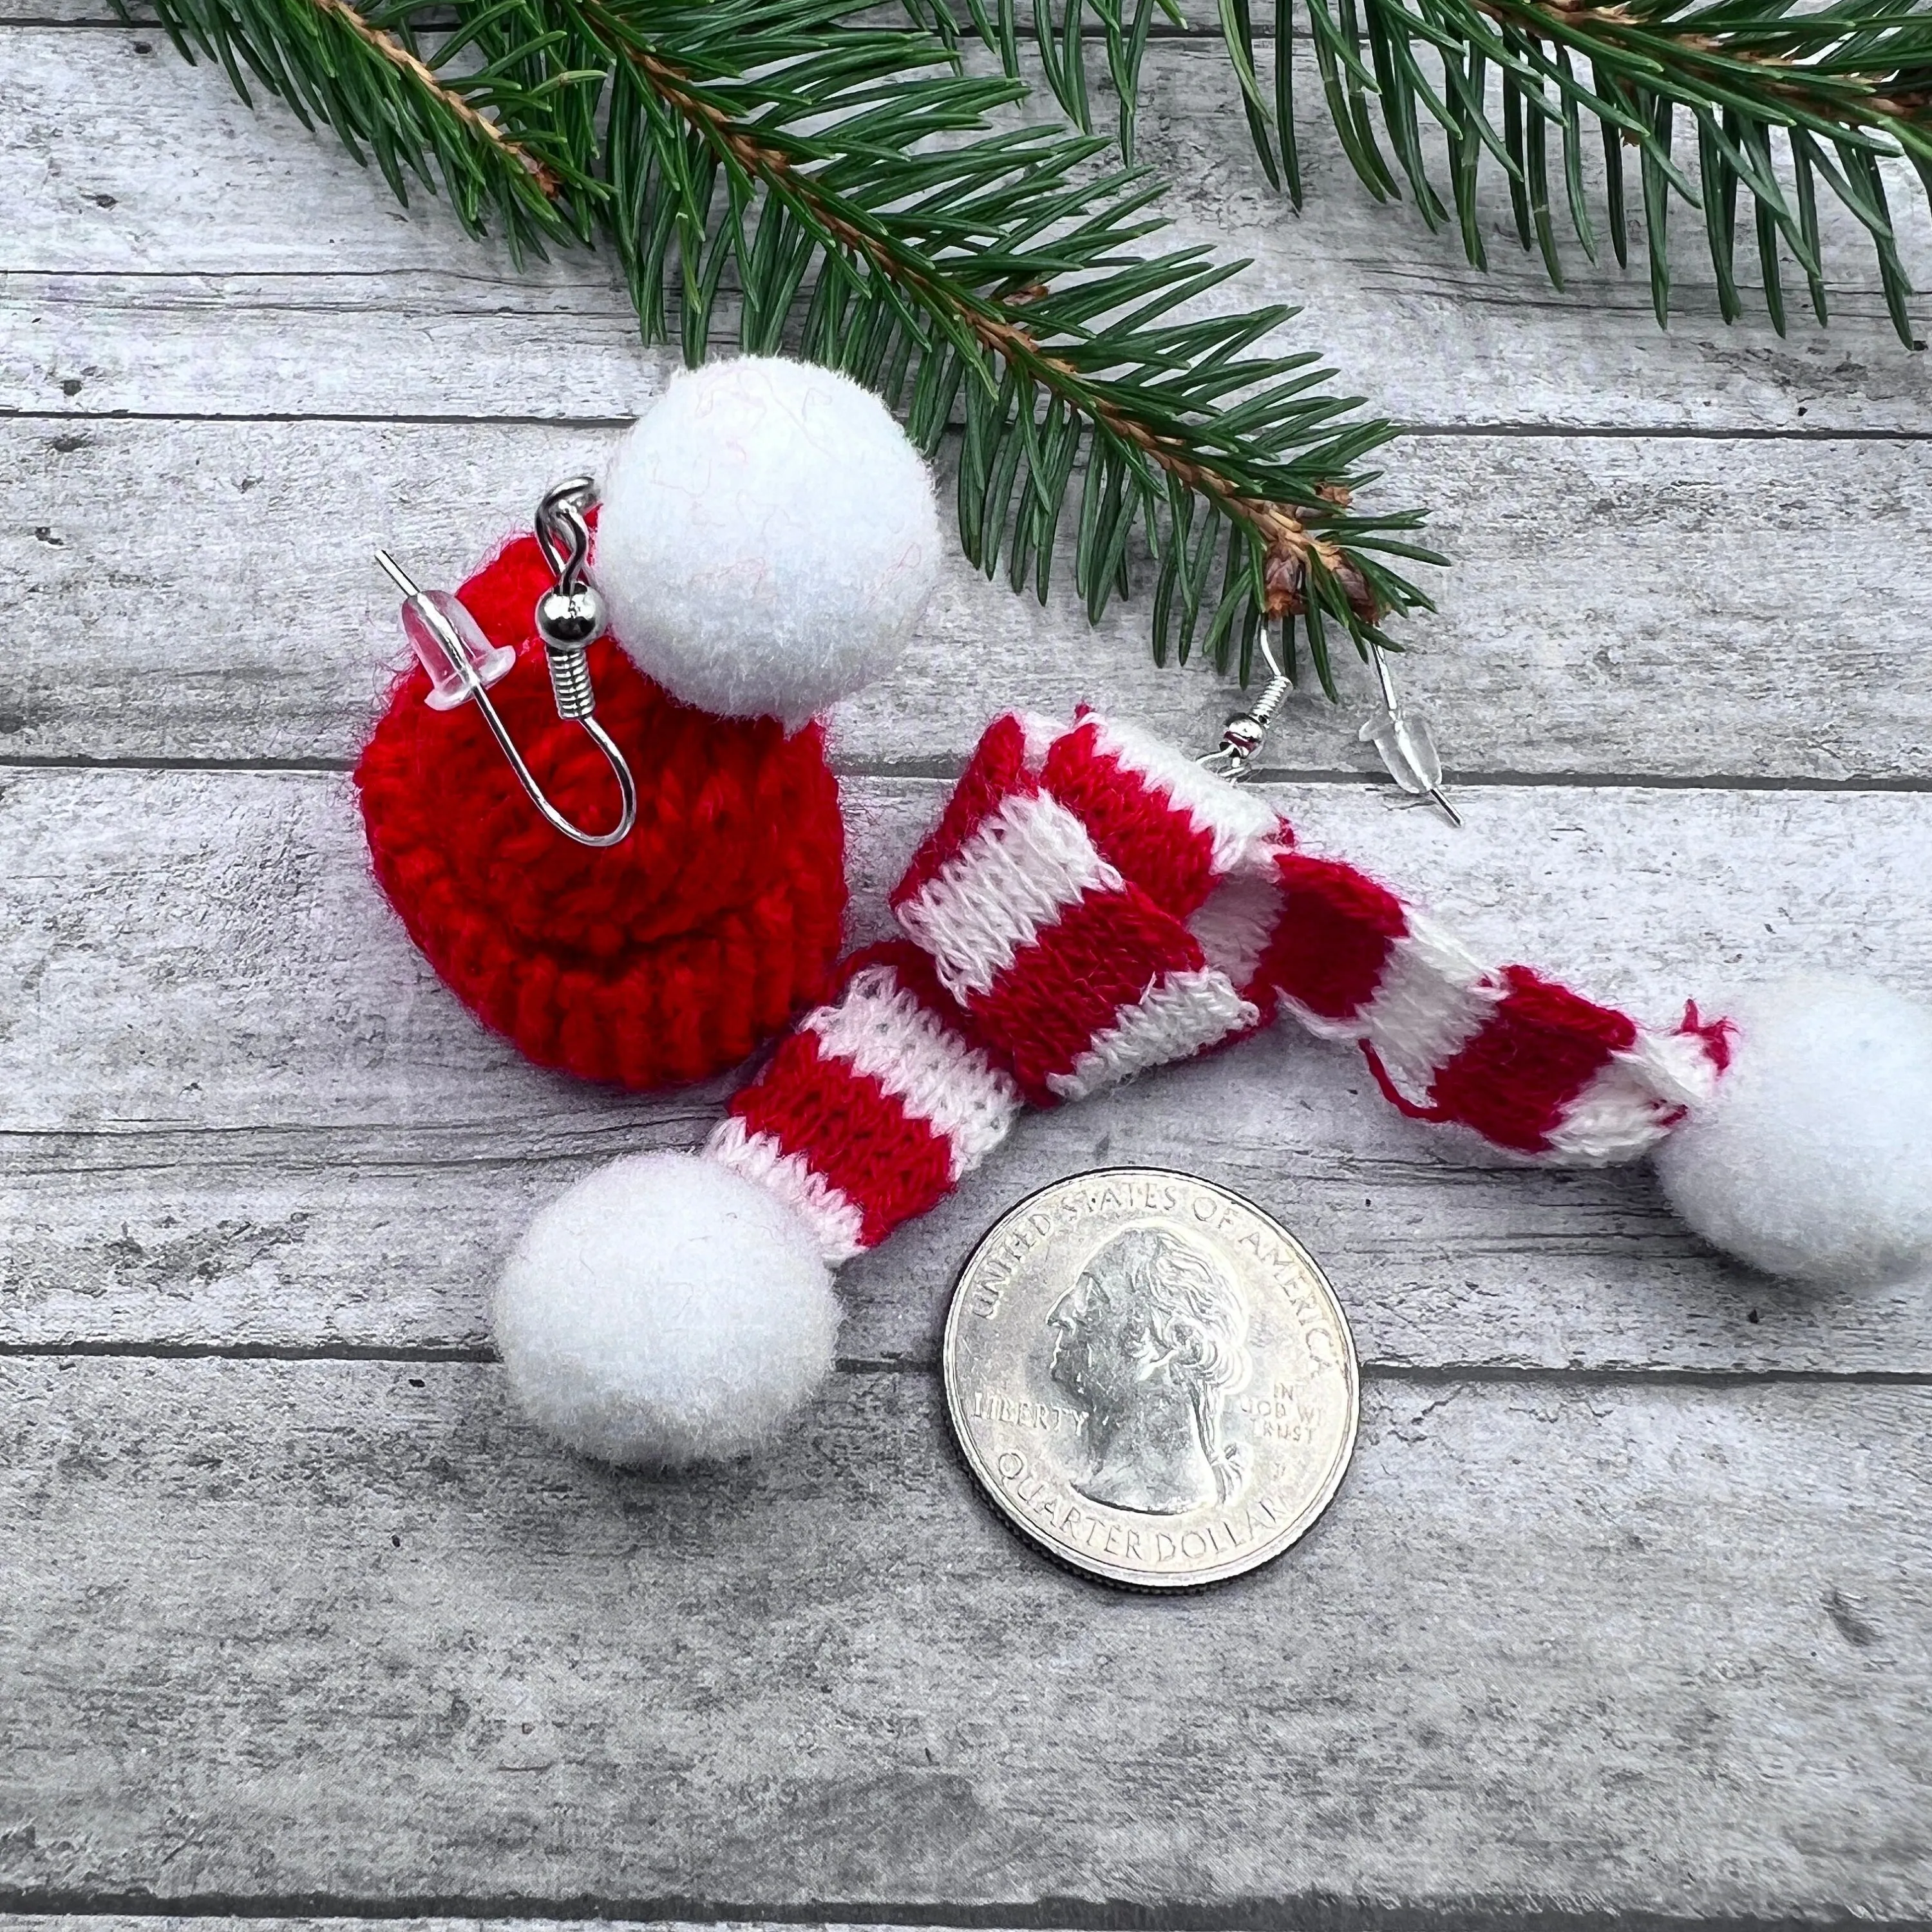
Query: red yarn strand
[(662, 961)]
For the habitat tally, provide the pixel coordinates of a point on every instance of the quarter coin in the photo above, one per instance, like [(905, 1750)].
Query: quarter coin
[(1151, 1378)]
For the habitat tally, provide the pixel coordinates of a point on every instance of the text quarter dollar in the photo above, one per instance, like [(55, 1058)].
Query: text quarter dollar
[(1151, 1378)]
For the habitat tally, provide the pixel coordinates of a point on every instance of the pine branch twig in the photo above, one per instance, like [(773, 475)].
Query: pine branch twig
[(847, 190), (1285, 540), (454, 103), (1781, 95)]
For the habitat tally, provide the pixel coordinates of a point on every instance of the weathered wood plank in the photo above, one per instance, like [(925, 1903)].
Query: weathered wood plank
[(1684, 607), (434, 341), (237, 1111), (161, 1921), (488, 1916), (332, 1631), (135, 234)]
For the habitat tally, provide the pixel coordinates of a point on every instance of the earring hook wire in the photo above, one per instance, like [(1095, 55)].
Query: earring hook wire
[(561, 510), (1242, 735), (563, 507)]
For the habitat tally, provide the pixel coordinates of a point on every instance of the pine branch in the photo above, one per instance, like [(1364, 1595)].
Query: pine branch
[(845, 186), (1129, 423), (1778, 100), (360, 73), (454, 101)]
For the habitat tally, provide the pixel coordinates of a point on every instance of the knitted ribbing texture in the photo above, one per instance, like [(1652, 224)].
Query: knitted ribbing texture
[(664, 959), (872, 1111), (1092, 904)]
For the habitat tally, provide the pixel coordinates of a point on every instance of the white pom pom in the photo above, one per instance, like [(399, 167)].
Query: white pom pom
[(665, 1311), (768, 538), (1813, 1158)]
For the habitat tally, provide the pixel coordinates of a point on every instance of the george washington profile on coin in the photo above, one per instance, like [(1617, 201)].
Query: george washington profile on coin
[(1150, 1377), (1147, 1344)]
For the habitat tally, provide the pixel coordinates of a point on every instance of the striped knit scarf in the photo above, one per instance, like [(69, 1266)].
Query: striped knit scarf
[(1090, 905)]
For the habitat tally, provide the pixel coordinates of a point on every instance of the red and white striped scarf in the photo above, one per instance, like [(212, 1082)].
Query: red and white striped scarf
[(1091, 905)]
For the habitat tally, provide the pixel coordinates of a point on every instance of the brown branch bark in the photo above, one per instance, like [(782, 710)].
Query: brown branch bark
[(398, 56), (1783, 77), (1289, 544)]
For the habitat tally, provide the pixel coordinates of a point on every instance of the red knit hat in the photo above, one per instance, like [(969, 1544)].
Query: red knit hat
[(664, 958)]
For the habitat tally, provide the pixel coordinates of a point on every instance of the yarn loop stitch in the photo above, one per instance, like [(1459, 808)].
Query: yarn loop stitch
[(662, 960), (1092, 905)]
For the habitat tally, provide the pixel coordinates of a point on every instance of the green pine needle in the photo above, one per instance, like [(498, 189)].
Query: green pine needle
[(1778, 94), (843, 191)]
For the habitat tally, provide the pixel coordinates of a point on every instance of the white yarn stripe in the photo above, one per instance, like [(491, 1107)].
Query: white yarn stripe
[(1678, 1067), (1615, 1118), (1178, 1016), (1026, 861), (1038, 732), (835, 1223), (1235, 922), (879, 1028), (1631, 1104), (1235, 820), (1433, 997)]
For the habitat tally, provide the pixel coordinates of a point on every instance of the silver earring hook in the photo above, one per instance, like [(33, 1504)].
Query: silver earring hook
[(1241, 736), (462, 663), (1403, 739), (563, 508)]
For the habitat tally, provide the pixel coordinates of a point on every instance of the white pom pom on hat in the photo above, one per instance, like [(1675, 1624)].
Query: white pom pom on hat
[(767, 540), (663, 1311), (1812, 1158)]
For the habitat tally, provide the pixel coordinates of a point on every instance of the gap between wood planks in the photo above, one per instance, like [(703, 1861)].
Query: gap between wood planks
[(949, 768), (30, 1912), (1591, 433), (1449, 1375)]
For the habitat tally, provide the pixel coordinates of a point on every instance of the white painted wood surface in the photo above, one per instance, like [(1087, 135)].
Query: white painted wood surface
[(174, 1190), (1625, 1614), (1687, 609), (384, 1639)]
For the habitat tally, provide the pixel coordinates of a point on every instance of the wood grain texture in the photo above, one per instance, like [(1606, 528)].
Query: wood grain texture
[(134, 1920), (239, 1111), (1624, 1619), (350, 1630), (138, 1920), (149, 264), (1683, 607)]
